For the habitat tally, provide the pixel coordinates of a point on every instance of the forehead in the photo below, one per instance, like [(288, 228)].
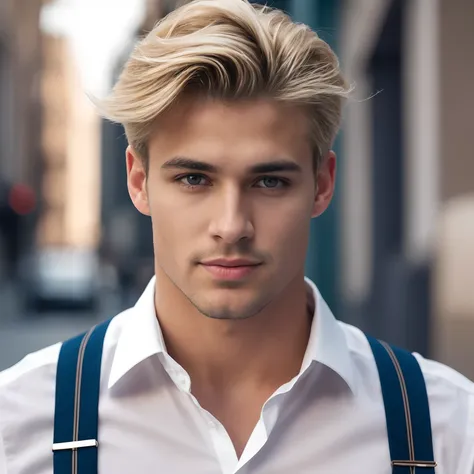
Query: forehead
[(239, 132)]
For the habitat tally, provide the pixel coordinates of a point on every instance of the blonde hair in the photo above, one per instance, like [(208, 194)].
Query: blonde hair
[(228, 49)]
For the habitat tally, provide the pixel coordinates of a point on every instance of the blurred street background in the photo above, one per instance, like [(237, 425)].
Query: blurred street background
[(393, 255)]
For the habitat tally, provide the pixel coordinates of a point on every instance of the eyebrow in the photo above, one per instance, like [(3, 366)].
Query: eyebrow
[(279, 165)]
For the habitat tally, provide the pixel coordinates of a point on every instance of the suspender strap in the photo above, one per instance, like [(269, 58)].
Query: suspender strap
[(406, 409), (77, 402)]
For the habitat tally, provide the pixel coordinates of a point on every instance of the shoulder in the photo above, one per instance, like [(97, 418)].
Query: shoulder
[(27, 396), (42, 364), (451, 401), (444, 378), (439, 377), (450, 396), (35, 375), (27, 392), (42, 361)]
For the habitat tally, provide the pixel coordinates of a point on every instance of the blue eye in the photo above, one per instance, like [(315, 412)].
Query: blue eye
[(192, 180), (272, 182), (269, 183)]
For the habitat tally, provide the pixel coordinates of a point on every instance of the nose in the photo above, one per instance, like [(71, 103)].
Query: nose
[(231, 220)]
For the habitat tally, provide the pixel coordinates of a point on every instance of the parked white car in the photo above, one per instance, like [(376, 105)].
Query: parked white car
[(60, 277)]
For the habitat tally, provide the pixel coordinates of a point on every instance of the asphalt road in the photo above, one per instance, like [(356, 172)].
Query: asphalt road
[(22, 333), (19, 338)]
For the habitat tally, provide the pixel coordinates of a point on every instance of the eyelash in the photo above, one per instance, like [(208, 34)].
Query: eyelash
[(284, 183)]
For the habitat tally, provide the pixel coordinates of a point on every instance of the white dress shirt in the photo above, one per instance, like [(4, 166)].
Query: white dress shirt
[(329, 419)]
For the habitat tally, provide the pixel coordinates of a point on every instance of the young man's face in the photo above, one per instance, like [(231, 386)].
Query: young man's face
[(231, 190)]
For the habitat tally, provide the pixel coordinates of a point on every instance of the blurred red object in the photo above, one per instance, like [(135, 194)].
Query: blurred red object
[(22, 199)]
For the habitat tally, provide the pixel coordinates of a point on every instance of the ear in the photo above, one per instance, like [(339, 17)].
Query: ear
[(325, 182), (136, 181)]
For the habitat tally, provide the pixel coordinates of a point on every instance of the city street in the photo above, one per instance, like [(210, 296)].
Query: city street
[(21, 337), (22, 333)]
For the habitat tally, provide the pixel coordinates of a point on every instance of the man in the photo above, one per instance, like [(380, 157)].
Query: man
[(231, 362)]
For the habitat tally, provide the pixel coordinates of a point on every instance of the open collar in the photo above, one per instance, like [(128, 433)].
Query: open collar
[(141, 337)]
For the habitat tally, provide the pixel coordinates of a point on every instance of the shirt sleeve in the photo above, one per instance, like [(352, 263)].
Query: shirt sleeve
[(3, 460), (466, 461)]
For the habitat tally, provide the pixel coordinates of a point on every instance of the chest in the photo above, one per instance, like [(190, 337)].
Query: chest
[(236, 414), (289, 437), (164, 431), (157, 428)]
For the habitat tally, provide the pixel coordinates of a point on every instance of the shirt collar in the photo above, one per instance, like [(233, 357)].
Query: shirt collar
[(141, 337), (327, 343)]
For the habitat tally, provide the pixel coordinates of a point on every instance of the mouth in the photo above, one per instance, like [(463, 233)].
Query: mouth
[(232, 270)]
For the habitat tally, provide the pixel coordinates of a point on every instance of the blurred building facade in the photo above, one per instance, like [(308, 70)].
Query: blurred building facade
[(408, 169), (56, 112), (70, 179), (20, 125)]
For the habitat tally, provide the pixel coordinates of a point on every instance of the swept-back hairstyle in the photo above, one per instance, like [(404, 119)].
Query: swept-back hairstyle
[(231, 50)]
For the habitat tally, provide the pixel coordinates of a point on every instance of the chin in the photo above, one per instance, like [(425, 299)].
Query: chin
[(229, 314), (230, 308)]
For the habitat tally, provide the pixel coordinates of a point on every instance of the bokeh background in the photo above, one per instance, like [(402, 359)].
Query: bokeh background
[(393, 255)]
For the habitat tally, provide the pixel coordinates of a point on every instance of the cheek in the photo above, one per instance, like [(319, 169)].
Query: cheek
[(286, 227), (169, 212), (176, 226), (169, 220)]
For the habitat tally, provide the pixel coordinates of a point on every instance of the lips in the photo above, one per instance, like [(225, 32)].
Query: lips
[(235, 262), (235, 269)]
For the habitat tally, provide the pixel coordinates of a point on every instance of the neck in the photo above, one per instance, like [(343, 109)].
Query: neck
[(265, 350)]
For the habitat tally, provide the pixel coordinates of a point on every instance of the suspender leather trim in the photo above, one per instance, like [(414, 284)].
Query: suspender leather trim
[(406, 409), (77, 401)]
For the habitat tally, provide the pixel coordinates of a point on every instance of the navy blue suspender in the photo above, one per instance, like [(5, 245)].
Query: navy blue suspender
[(77, 399), (407, 409), (77, 402)]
